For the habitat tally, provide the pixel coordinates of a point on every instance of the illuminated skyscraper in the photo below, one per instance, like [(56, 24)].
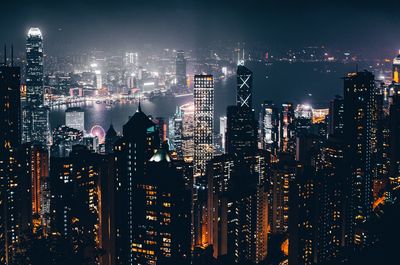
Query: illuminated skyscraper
[(180, 72), (35, 115), (358, 126), (396, 69), (131, 154), (35, 196), (187, 116), (244, 91), (269, 126), (75, 118), (203, 122), (241, 134), (336, 115), (287, 134), (77, 199), (161, 214), (34, 67), (10, 139)]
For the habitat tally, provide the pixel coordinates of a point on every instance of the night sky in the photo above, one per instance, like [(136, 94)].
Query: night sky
[(369, 26)]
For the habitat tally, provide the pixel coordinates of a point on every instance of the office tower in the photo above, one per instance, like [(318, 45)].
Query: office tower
[(180, 72), (287, 134), (92, 143), (33, 161), (75, 118), (76, 204), (358, 128), (187, 114), (35, 115), (222, 131), (203, 138), (241, 134), (336, 117), (303, 115), (64, 138), (244, 90), (10, 139), (283, 173), (34, 67), (131, 154), (396, 70), (176, 133), (110, 140), (132, 60), (161, 210), (269, 124), (98, 79)]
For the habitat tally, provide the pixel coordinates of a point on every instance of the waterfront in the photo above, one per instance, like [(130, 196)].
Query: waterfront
[(278, 82)]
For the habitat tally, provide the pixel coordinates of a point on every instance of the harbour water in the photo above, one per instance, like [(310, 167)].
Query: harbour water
[(313, 83)]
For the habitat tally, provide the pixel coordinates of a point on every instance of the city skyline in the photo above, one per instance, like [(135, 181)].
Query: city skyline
[(225, 149)]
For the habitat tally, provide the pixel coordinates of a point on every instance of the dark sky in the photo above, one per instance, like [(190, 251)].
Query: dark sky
[(372, 26)]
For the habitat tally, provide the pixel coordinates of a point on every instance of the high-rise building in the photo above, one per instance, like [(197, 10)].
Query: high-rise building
[(131, 154), (180, 72), (176, 133), (358, 129), (203, 122), (77, 200), (336, 116), (35, 197), (161, 210), (237, 207), (283, 173), (287, 133), (244, 91), (394, 143), (10, 139), (222, 131), (110, 139), (34, 67), (64, 138), (269, 127), (35, 115), (187, 115), (75, 118), (241, 134), (396, 69)]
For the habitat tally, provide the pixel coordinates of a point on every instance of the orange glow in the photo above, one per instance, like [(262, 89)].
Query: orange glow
[(378, 202), (285, 247), (396, 76)]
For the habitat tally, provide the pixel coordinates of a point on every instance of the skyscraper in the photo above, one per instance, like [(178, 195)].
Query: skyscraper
[(75, 118), (161, 211), (10, 138), (35, 114), (241, 134), (358, 124), (287, 134), (244, 91), (336, 115), (396, 70), (34, 67), (131, 154), (180, 72), (203, 122), (269, 125)]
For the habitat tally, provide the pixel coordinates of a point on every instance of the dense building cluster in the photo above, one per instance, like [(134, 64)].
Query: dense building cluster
[(293, 185)]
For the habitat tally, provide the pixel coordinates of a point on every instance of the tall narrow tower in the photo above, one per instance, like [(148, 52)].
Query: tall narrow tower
[(203, 122)]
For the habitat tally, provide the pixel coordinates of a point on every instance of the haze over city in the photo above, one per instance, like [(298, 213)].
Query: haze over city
[(199, 132)]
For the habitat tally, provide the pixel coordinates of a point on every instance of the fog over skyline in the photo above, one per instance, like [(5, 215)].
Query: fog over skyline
[(369, 26)]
